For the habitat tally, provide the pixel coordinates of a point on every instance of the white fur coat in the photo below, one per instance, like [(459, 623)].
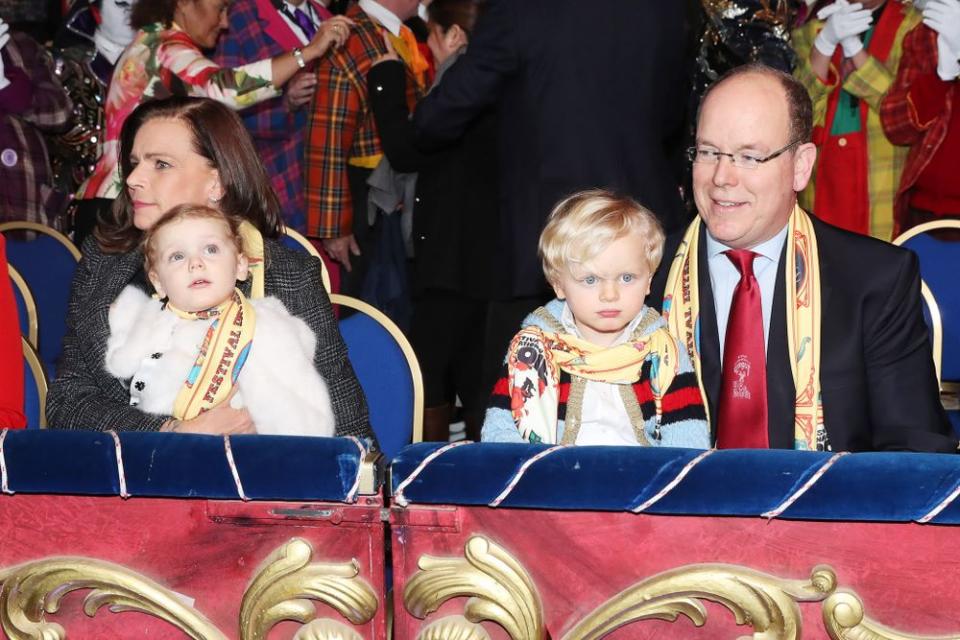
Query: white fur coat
[(278, 385)]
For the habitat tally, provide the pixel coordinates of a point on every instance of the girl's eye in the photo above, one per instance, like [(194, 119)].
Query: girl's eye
[(212, 249), (176, 256), (627, 278)]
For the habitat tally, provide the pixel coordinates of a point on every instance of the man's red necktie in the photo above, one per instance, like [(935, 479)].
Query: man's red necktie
[(742, 407)]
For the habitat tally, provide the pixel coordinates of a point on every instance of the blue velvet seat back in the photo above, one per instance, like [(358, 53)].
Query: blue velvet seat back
[(181, 465), (939, 263), (384, 374), (890, 487), (48, 268)]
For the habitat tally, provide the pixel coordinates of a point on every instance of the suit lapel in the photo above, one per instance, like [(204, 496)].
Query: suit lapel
[(275, 26), (781, 392), (710, 364)]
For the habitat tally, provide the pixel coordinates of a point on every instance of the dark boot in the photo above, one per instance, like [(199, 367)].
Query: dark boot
[(436, 423), (473, 422)]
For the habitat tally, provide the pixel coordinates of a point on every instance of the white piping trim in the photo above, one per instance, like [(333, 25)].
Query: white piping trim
[(4, 482), (233, 467), (786, 504), (933, 513), (523, 469), (120, 472), (352, 495), (673, 483), (398, 494)]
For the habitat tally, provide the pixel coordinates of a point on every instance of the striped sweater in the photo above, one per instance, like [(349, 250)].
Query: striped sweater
[(682, 422)]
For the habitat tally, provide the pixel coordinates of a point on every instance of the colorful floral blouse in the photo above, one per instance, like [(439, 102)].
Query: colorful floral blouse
[(161, 62)]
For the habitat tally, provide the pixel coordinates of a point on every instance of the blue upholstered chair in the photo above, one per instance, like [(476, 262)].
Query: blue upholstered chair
[(26, 306), (295, 240), (47, 261), (939, 264), (34, 388), (388, 372)]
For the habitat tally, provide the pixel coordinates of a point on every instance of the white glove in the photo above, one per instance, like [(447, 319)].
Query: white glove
[(943, 16), (4, 39), (845, 23)]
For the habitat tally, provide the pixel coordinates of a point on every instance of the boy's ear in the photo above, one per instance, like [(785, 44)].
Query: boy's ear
[(243, 267), (157, 285), (557, 289)]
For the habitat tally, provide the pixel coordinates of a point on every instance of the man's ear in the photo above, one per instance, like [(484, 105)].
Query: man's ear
[(243, 267), (157, 285), (804, 159), (455, 37)]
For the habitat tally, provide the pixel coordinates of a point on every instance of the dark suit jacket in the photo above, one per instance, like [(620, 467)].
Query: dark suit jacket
[(85, 396), (587, 93), (877, 376)]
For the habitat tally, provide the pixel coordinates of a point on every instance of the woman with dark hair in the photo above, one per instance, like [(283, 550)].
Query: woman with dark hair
[(166, 58), (455, 219), (197, 151)]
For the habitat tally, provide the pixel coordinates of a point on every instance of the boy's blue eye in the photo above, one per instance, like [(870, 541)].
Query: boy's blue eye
[(627, 278), (590, 280)]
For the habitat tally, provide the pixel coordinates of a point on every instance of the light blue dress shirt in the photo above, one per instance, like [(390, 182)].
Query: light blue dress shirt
[(724, 278)]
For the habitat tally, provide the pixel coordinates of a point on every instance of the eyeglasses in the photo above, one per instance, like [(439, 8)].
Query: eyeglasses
[(741, 159)]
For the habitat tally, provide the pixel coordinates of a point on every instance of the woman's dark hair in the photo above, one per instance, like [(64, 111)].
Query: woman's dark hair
[(462, 13), (146, 12), (220, 137)]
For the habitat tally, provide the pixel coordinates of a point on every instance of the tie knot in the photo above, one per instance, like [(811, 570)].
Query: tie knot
[(742, 259)]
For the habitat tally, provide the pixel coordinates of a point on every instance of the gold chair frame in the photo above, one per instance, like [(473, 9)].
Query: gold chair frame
[(933, 225), (39, 378), (312, 250), (33, 322), (394, 330), (44, 229)]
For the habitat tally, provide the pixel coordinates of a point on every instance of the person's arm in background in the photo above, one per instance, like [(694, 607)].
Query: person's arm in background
[(11, 353), (30, 89), (474, 82), (387, 86)]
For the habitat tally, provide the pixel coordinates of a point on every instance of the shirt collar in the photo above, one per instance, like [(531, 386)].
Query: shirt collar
[(379, 13), (770, 249), (570, 325), (304, 6)]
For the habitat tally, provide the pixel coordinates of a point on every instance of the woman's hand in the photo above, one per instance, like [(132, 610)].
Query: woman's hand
[(333, 32), (221, 420), (391, 53)]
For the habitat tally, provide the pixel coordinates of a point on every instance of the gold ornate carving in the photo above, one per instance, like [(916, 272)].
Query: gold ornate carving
[(844, 618), (453, 628), (766, 603), (32, 589), (287, 581), (498, 588), (326, 629)]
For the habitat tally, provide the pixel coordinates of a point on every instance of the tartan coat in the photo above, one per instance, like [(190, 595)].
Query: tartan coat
[(258, 31), (85, 396), (916, 112), (869, 83), (341, 129)]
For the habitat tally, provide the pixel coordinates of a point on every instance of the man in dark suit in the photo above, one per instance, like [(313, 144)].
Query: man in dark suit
[(834, 357), (586, 95)]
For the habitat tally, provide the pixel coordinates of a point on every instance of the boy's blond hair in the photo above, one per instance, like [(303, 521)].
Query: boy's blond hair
[(187, 212), (581, 226)]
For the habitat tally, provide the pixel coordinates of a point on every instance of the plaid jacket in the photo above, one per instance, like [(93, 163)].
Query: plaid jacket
[(341, 129), (257, 31), (85, 396), (916, 111), (869, 83), (33, 103)]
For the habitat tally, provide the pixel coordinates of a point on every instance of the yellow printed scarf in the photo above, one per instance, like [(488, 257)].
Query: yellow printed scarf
[(537, 356), (681, 310), (253, 249), (222, 355)]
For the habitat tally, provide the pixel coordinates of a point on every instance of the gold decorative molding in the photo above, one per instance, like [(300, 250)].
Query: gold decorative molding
[(287, 581), (498, 587), (453, 628), (764, 602), (326, 629), (36, 588), (844, 619)]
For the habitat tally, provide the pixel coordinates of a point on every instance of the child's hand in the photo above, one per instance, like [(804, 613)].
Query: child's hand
[(221, 420)]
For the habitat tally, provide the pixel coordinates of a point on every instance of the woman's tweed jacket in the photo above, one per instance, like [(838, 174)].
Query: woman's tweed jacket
[(85, 396)]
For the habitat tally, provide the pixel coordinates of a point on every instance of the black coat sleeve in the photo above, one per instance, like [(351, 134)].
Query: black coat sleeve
[(387, 87)]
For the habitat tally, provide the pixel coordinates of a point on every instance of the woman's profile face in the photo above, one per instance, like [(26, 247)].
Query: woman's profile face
[(203, 20), (166, 171)]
